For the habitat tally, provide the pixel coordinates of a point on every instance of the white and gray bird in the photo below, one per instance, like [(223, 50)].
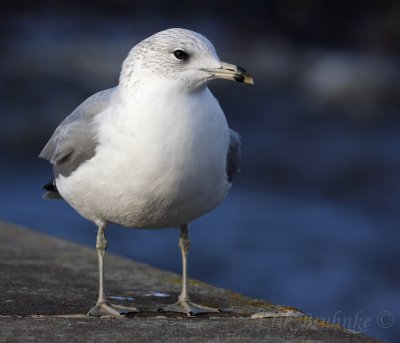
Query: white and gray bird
[(153, 152)]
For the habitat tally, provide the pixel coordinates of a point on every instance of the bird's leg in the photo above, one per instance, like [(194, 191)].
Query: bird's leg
[(102, 307), (184, 244), (184, 305), (101, 246)]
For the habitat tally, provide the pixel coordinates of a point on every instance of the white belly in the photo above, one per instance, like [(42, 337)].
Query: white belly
[(161, 167)]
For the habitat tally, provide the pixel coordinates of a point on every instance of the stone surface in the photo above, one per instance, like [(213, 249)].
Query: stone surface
[(47, 285)]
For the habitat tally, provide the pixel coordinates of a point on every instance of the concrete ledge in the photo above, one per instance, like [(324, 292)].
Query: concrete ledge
[(47, 285)]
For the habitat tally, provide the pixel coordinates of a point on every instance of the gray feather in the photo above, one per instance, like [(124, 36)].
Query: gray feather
[(234, 155), (52, 191), (74, 140), (52, 196)]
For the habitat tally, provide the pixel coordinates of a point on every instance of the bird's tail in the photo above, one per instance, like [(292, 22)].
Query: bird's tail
[(51, 191)]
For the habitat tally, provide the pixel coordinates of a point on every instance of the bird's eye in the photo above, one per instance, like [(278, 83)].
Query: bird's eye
[(181, 55)]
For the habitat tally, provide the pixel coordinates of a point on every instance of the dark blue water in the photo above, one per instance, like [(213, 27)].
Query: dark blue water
[(318, 255)]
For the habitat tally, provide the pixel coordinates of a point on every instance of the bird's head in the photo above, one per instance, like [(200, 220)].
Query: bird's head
[(181, 55)]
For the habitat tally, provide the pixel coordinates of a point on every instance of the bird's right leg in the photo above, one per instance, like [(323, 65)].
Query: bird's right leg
[(102, 307)]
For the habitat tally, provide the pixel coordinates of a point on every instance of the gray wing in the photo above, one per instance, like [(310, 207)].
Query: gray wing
[(234, 155), (74, 140)]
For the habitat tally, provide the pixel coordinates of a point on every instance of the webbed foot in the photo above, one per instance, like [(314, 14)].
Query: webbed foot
[(188, 307), (107, 309)]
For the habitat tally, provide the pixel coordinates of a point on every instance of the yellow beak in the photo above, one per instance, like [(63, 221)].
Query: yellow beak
[(230, 72)]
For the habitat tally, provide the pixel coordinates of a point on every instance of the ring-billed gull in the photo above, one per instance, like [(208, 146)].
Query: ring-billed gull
[(153, 152)]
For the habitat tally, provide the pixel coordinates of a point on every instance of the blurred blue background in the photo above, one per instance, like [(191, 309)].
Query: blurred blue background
[(313, 219)]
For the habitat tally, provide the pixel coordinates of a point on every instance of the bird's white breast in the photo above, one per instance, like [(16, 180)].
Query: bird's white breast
[(160, 161)]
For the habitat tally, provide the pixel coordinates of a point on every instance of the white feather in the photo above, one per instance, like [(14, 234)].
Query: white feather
[(160, 159)]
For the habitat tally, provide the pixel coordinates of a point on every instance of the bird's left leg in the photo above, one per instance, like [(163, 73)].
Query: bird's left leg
[(184, 305)]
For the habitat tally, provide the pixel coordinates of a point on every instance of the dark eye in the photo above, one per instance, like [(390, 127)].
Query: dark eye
[(181, 55)]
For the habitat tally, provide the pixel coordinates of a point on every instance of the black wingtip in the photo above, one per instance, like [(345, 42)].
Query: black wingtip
[(50, 186), (51, 191)]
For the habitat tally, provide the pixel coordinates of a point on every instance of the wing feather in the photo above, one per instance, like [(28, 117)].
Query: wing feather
[(234, 155), (74, 140)]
